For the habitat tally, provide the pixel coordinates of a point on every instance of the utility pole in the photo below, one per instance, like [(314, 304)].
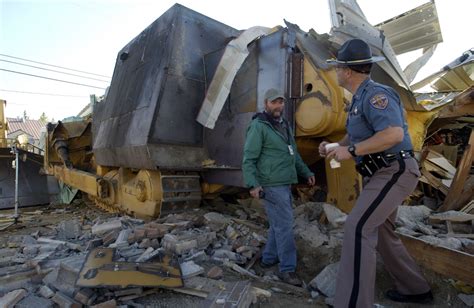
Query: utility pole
[(17, 167)]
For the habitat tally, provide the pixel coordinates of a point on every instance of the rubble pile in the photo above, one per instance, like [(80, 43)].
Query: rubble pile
[(42, 268), (437, 228), (447, 181)]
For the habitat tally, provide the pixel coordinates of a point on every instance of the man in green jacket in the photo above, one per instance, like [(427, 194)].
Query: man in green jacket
[(270, 165)]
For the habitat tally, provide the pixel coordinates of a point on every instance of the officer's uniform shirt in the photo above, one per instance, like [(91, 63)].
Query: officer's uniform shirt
[(375, 107)]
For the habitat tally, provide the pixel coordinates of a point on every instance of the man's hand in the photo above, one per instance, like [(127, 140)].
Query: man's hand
[(311, 180), (255, 192), (322, 148), (339, 153)]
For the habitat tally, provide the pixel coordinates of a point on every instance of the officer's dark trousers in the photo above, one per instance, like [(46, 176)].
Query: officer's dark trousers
[(370, 227)]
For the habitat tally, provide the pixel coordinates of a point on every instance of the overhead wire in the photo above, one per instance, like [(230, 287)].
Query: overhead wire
[(39, 93), (54, 79), (47, 69), (70, 69)]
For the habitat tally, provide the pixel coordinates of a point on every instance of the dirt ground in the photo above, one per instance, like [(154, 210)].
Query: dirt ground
[(311, 262)]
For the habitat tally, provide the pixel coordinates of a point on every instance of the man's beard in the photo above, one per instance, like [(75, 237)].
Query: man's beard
[(272, 113)]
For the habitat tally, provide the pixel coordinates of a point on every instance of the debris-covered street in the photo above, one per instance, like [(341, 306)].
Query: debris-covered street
[(215, 247)]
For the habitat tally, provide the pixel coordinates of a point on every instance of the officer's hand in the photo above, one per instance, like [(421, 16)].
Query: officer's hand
[(322, 148), (311, 180), (254, 192), (340, 153)]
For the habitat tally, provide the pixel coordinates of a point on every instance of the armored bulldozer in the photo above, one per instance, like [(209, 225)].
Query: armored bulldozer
[(172, 126)]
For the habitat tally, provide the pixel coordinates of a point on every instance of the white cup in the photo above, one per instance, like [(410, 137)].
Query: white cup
[(333, 163)]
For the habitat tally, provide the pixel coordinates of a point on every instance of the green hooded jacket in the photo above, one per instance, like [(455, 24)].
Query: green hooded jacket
[(267, 159)]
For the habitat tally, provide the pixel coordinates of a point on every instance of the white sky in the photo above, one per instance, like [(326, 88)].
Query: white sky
[(87, 35)]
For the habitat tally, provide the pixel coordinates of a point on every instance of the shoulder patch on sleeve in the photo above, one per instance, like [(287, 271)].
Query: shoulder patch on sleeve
[(379, 101)]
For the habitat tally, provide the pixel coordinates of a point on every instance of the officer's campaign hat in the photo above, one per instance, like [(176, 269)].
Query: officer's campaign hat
[(273, 94), (354, 52)]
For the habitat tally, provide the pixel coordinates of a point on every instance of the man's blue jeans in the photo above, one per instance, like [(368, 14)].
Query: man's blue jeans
[(280, 246)]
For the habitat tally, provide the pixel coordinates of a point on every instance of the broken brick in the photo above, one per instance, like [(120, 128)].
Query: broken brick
[(108, 304), (85, 296), (215, 273), (64, 301)]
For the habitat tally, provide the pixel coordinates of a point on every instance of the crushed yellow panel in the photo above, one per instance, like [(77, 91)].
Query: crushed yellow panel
[(100, 270), (344, 185), (418, 123)]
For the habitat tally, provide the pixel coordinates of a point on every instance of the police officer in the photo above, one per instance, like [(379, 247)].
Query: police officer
[(377, 138)]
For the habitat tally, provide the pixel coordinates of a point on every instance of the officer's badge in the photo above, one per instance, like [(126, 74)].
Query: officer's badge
[(379, 101)]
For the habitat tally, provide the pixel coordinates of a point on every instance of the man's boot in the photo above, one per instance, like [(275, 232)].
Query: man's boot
[(290, 278)]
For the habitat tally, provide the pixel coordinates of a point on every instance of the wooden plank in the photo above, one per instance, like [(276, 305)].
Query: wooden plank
[(452, 216), (449, 226), (464, 168), (440, 161), (468, 207), (460, 235), (448, 262), (434, 181)]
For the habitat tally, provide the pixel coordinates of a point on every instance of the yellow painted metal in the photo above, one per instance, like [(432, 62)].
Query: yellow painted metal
[(320, 112), (344, 185), (208, 188), (3, 124), (308, 149), (320, 115), (101, 270), (84, 181), (418, 123), (103, 170), (141, 193)]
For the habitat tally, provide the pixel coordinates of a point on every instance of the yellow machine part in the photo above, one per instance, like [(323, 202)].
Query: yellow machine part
[(320, 111), (144, 193), (136, 193), (3, 124), (344, 185), (101, 270), (418, 123), (320, 116)]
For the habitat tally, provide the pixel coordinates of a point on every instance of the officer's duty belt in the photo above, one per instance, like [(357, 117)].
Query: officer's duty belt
[(403, 154), (372, 162)]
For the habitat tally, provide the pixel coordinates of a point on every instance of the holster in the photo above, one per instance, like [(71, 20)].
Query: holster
[(371, 163)]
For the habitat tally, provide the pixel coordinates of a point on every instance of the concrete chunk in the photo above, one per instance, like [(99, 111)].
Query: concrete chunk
[(467, 299), (448, 242), (408, 216), (145, 255), (69, 269), (190, 269), (69, 229), (334, 215), (310, 232), (103, 228), (173, 244), (11, 298), (7, 252), (216, 221), (325, 281), (123, 237), (46, 292), (32, 301)]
